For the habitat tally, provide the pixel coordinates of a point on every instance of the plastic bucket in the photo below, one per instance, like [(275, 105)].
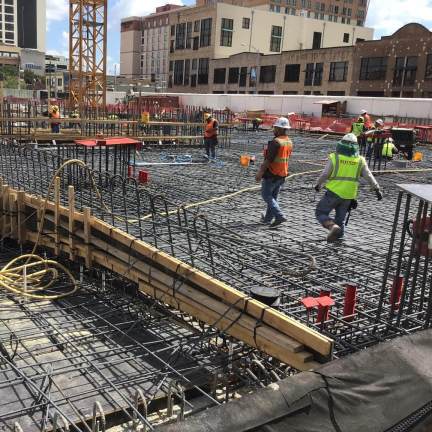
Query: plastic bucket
[(418, 156), (245, 160)]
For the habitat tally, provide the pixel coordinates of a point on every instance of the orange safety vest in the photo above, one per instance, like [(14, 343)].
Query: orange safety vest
[(279, 166), (208, 133)]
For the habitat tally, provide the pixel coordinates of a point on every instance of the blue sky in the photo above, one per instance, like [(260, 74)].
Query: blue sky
[(385, 16)]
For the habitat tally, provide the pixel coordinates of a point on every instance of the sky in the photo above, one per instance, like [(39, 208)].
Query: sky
[(385, 16)]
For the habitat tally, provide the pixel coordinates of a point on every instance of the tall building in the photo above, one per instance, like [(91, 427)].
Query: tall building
[(220, 30), (144, 47), (22, 23), (343, 11)]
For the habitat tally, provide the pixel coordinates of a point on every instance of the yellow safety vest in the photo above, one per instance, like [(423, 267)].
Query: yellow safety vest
[(357, 128), (344, 179), (388, 148)]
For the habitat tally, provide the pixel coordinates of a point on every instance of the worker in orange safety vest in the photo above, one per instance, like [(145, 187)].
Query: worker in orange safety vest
[(273, 172)]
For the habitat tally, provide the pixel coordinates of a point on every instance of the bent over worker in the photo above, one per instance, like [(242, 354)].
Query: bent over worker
[(341, 176), (211, 128), (273, 172)]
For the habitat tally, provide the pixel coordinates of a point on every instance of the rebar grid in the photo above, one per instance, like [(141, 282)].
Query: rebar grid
[(107, 344), (229, 243)]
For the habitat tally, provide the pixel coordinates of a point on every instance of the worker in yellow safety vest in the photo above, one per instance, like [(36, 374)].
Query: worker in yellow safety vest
[(341, 177), (389, 149), (273, 171), (358, 127)]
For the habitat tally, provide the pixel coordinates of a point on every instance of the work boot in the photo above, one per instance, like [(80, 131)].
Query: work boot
[(334, 233), (277, 222), (263, 220)]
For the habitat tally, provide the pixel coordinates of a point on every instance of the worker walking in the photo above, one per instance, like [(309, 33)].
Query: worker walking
[(211, 128), (274, 170), (341, 176)]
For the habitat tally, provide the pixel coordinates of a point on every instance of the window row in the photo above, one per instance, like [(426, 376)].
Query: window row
[(184, 37)]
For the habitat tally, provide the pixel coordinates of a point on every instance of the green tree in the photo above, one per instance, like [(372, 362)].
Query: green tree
[(30, 77), (9, 76)]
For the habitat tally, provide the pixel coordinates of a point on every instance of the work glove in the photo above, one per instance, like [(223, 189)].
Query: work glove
[(378, 194), (317, 188), (354, 204)]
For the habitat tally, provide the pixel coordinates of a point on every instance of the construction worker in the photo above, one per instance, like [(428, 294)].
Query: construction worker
[(256, 123), (55, 114), (211, 128), (341, 176), (389, 149), (273, 172), (367, 119), (372, 134), (358, 127)]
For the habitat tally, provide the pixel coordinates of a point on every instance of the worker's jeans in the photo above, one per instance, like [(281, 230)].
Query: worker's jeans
[(327, 204), (270, 189), (210, 147), (55, 128)]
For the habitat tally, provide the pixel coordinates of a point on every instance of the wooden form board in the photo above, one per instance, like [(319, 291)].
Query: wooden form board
[(80, 236)]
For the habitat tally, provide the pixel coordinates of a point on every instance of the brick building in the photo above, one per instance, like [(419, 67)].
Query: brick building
[(399, 65), (144, 46)]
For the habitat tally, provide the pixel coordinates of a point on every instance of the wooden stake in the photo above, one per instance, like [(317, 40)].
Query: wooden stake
[(71, 203)]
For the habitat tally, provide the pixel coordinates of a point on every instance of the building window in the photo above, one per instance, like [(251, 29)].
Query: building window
[(428, 74), (171, 66), (246, 23), (405, 71), (189, 35), (180, 36), (268, 74), (196, 26), (227, 32), (194, 64), (373, 68), (172, 30), (253, 77), (313, 75), (187, 72), (290, 92), (243, 77), (178, 72), (205, 36), (276, 39), (292, 73), (346, 37), (193, 80), (219, 76), (203, 70), (195, 45), (338, 71), (316, 42), (233, 75)]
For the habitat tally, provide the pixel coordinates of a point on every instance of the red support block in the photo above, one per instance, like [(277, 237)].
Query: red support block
[(396, 292), (324, 305), (349, 301)]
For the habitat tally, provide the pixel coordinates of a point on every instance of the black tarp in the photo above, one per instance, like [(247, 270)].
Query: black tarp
[(375, 390)]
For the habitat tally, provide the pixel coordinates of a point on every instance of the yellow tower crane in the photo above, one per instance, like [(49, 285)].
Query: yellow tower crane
[(87, 54)]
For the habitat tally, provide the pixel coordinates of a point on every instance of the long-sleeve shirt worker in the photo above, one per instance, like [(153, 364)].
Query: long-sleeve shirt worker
[(365, 173)]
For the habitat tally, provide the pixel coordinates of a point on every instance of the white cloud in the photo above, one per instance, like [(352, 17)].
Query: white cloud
[(386, 16), (57, 10)]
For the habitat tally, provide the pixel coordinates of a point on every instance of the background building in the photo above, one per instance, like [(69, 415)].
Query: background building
[(399, 65), (344, 11), (56, 75), (144, 47), (206, 33), (31, 24)]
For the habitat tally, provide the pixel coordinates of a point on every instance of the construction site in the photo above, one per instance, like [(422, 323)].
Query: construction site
[(139, 290)]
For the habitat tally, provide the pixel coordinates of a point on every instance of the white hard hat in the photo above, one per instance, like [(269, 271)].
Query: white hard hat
[(380, 122), (351, 138), (363, 111), (282, 122)]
